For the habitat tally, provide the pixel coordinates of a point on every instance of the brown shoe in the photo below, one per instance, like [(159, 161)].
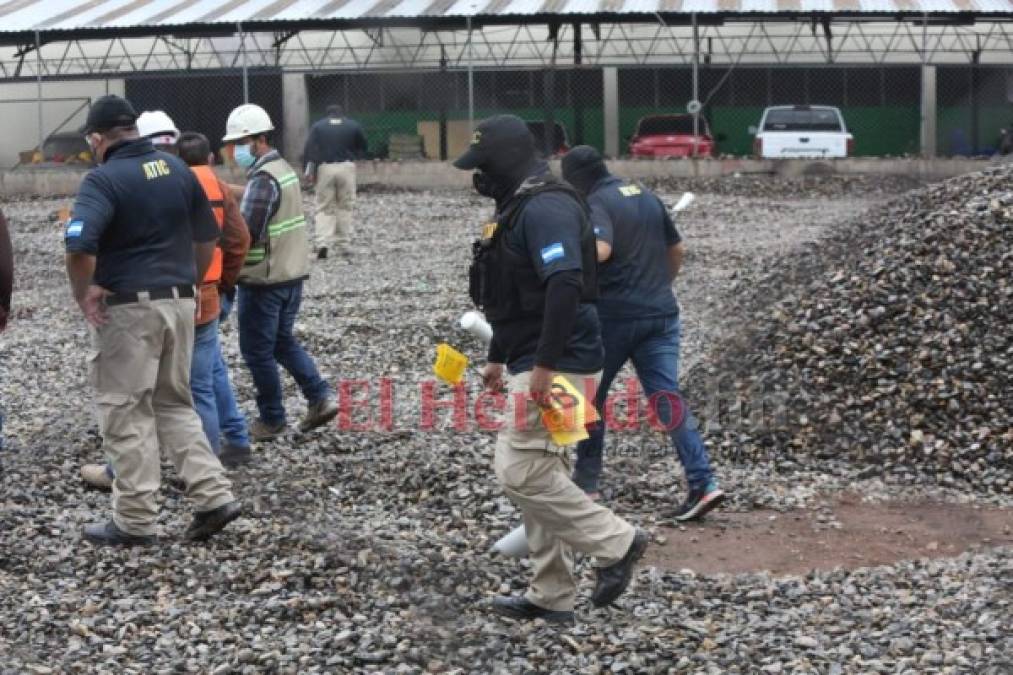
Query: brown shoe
[(97, 476), (320, 413), (262, 431)]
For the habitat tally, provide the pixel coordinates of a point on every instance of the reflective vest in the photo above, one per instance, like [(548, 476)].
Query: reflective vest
[(282, 252), (213, 190)]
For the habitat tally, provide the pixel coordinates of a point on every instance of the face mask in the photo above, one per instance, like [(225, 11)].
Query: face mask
[(488, 186), (244, 157)]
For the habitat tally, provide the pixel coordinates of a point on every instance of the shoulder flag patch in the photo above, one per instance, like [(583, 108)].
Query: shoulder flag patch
[(74, 228), (552, 252)]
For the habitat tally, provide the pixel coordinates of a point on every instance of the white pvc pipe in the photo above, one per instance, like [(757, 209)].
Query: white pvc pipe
[(475, 323), (684, 202), (514, 543)]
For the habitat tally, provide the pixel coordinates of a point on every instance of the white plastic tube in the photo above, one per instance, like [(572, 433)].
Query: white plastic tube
[(514, 543), (684, 202), (475, 323)]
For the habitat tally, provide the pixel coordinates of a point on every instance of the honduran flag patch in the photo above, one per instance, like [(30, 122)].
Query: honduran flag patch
[(552, 252)]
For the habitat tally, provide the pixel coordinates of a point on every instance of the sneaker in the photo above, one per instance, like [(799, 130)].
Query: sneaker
[(699, 502), (322, 253), (320, 413), (97, 476), (262, 431)]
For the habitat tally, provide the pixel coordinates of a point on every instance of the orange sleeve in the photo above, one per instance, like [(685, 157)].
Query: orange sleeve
[(235, 240)]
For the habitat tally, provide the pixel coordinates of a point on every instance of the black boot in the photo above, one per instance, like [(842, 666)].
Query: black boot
[(233, 456), (517, 607), (614, 579), (207, 523), (108, 534)]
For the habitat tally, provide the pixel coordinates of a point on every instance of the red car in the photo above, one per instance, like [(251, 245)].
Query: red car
[(671, 136)]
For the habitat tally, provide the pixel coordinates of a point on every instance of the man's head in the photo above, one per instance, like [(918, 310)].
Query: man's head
[(249, 127), (195, 149), (157, 126), (583, 167), (111, 119), (502, 150), (335, 110)]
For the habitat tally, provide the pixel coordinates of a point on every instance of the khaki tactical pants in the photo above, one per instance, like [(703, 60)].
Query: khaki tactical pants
[(558, 516), (335, 197), (140, 369)]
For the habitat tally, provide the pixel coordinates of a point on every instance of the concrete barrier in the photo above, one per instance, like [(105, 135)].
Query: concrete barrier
[(430, 175)]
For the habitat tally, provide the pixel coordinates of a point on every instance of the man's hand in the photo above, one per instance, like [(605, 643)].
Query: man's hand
[(541, 384), (492, 377), (93, 306)]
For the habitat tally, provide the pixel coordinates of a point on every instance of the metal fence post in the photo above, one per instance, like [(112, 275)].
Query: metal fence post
[(242, 51), (471, 82), (38, 87), (696, 86)]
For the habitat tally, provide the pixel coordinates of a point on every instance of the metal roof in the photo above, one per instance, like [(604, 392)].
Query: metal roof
[(62, 16)]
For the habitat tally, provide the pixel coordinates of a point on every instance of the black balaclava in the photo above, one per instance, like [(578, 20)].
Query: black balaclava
[(583, 167), (502, 154)]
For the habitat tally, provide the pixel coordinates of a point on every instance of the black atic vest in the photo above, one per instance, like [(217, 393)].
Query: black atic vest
[(503, 282)]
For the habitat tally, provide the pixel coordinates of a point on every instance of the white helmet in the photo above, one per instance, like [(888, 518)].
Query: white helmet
[(157, 126), (247, 120)]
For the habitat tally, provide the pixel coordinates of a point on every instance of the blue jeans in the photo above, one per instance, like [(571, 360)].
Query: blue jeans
[(266, 320), (653, 345), (212, 392), (202, 381)]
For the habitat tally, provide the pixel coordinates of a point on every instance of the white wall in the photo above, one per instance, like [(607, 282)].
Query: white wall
[(19, 112)]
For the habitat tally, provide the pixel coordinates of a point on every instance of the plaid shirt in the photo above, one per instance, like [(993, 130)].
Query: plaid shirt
[(261, 199)]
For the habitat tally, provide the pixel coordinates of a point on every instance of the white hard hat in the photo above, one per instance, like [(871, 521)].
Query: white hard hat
[(157, 126), (247, 120)]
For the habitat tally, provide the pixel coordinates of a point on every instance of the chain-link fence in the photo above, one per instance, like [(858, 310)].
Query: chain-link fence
[(974, 103), (428, 113)]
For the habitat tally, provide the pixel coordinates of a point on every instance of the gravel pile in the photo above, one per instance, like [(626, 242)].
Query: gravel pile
[(367, 551), (833, 186), (889, 345)]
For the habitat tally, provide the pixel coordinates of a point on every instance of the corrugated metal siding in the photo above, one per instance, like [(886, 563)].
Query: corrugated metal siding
[(31, 15)]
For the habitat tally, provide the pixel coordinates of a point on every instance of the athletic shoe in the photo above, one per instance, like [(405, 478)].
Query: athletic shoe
[(699, 502)]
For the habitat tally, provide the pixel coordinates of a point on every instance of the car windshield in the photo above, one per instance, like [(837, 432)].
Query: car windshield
[(674, 124), (816, 119)]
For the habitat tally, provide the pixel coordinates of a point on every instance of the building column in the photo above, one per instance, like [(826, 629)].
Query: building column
[(296, 112), (610, 101), (928, 126)]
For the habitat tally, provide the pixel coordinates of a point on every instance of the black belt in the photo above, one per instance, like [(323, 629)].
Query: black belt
[(167, 293)]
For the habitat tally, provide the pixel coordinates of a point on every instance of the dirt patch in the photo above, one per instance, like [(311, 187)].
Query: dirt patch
[(846, 533)]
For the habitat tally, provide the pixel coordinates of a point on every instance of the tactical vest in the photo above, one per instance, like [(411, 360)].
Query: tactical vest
[(282, 252), (504, 283), (213, 190)]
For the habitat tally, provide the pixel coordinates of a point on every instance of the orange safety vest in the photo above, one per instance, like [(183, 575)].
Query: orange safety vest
[(213, 190)]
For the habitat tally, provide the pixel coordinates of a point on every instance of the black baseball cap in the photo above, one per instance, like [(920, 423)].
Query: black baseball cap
[(108, 112), (494, 137)]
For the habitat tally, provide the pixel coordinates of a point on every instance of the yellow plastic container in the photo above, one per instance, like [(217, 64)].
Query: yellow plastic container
[(450, 364)]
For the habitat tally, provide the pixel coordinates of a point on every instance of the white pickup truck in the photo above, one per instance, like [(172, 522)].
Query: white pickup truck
[(802, 132)]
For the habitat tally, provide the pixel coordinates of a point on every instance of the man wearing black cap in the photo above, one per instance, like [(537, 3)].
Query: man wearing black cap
[(641, 253), (140, 236), (534, 276)]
